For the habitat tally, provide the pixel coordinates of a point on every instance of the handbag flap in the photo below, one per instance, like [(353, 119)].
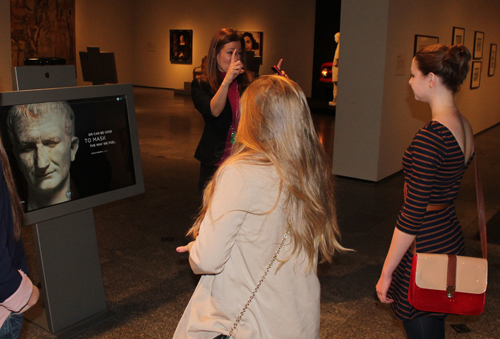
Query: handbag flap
[(472, 274), (431, 273)]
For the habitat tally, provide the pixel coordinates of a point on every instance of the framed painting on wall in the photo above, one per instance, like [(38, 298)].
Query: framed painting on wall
[(493, 60), (424, 40), (253, 49), (478, 45), (475, 79), (181, 46), (254, 42), (458, 36)]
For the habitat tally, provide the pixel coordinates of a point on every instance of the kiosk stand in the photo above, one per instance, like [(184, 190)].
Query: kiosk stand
[(73, 298)]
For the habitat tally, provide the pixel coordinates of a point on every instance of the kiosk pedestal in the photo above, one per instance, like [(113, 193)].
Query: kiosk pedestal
[(70, 271)]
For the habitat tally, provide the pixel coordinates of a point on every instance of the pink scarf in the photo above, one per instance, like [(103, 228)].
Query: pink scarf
[(234, 100)]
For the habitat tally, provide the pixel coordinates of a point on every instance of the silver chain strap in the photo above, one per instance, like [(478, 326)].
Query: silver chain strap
[(237, 321)]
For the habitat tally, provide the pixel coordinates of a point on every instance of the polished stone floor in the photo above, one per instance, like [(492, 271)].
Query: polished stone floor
[(148, 284)]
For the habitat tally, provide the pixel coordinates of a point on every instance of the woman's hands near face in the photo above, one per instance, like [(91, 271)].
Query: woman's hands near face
[(235, 68)]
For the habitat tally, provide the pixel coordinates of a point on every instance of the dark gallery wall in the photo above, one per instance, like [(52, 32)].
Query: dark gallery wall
[(5, 77), (327, 24)]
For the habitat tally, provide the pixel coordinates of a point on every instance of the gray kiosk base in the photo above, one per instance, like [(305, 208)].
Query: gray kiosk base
[(72, 288)]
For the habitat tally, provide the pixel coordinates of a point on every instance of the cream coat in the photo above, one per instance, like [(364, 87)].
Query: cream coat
[(235, 245)]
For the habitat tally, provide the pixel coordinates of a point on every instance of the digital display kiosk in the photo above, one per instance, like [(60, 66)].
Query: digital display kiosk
[(102, 163)]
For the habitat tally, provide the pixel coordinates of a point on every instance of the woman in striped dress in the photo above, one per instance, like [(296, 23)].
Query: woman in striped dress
[(434, 165)]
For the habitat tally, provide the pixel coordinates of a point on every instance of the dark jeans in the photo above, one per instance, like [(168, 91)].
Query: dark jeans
[(11, 328), (206, 174), (424, 328)]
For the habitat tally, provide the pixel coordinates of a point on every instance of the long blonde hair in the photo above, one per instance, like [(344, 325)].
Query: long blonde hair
[(276, 129)]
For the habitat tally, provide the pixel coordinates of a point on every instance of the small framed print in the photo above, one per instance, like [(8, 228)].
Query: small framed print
[(475, 79), (181, 46), (493, 60), (458, 36), (478, 45), (424, 40)]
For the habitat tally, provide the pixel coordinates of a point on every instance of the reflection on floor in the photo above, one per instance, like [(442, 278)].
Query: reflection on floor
[(148, 284)]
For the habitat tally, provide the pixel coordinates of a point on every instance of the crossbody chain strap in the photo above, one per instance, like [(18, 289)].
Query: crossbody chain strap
[(252, 296)]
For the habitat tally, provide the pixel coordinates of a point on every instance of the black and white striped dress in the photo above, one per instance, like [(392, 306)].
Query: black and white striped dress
[(434, 165)]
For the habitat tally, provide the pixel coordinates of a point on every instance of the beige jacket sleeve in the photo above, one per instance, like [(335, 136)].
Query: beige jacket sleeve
[(219, 229)]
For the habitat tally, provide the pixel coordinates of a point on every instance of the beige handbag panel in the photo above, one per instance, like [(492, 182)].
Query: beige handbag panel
[(472, 273)]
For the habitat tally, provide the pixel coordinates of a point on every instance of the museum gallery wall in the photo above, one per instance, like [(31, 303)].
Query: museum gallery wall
[(378, 44)]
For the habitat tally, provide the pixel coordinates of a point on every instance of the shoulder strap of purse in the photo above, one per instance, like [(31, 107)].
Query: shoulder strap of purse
[(252, 296), (480, 213), (481, 210)]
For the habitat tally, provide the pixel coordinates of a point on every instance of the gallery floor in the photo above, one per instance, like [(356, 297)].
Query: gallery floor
[(148, 284)]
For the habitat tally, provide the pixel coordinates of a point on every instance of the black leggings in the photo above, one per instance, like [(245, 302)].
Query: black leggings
[(206, 174), (424, 328)]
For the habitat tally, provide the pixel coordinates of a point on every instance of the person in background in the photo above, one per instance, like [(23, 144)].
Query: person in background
[(17, 293), (276, 187), (250, 42), (216, 96), (434, 165)]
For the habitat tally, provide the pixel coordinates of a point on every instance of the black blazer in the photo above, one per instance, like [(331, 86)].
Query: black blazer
[(213, 140)]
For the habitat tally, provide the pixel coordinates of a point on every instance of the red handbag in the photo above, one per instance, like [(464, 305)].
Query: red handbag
[(454, 284)]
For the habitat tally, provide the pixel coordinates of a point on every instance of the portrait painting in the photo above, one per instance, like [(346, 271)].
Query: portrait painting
[(46, 31), (253, 43), (181, 46)]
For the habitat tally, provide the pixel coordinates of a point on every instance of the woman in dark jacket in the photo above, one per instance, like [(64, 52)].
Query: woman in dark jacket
[(216, 96)]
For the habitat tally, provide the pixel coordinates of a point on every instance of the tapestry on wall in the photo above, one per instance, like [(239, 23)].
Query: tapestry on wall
[(42, 28)]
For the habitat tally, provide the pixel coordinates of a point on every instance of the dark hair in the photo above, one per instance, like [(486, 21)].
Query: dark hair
[(220, 38), (255, 44), (450, 63), (15, 202)]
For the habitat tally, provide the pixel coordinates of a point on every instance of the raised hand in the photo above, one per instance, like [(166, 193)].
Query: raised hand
[(234, 69)]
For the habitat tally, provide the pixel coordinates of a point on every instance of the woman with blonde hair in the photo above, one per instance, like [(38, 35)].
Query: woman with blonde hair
[(274, 191)]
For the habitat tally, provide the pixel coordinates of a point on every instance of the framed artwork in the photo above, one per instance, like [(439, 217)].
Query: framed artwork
[(493, 60), (475, 79), (458, 36), (424, 40), (254, 42), (478, 45), (181, 46)]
